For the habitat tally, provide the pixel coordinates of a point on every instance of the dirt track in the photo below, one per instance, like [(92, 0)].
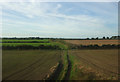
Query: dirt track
[(67, 75)]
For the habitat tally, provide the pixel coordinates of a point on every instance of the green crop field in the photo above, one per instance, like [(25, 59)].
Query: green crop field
[(32, 44), (25, 43)]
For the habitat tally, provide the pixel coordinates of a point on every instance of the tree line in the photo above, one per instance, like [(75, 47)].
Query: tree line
[(38, 38)]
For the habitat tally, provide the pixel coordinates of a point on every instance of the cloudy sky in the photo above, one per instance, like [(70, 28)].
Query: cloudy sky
[(59, 19)]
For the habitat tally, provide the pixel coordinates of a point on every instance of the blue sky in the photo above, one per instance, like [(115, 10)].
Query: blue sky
[(60, 19)]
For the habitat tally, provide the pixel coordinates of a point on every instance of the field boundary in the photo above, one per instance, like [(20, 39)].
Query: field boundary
[(67, 75)]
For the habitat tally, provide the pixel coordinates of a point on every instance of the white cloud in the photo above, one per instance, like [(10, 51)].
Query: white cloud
[(37, 9), (54, 22), (58, 6), (27, 9)]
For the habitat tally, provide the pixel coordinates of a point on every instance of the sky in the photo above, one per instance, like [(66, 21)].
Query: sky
[(59, 19)]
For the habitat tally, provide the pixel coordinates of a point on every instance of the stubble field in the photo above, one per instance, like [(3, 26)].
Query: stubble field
[(92, 42)]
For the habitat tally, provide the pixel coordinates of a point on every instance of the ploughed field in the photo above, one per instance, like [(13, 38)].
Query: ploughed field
[(29, 64), (94, 64), (92, 42)]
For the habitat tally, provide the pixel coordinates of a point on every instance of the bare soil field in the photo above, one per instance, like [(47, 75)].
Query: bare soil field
[(92, 42), (95, 64), (29, 64)]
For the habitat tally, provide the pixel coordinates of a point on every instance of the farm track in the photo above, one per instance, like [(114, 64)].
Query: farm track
[(67, 75), (59, 68), (24, 69)]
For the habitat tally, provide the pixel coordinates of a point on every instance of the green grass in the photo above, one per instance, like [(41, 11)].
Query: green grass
[(28, 64), (62, 46), (72, 59), (65, 65), (76, 73)]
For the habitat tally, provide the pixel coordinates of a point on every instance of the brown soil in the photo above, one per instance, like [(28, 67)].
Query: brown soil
[(100, 61)]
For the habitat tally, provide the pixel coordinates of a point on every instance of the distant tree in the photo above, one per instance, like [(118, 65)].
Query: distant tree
[(108, 38), (92, 38), (87, 38), (103, 37), (97, 38), (37, 37)]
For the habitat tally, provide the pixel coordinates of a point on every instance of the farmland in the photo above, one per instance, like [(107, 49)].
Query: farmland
[(29, 64), (31, 44), (42, 58), (56, 60), (25, 41), (94, 64), (92, 42)]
